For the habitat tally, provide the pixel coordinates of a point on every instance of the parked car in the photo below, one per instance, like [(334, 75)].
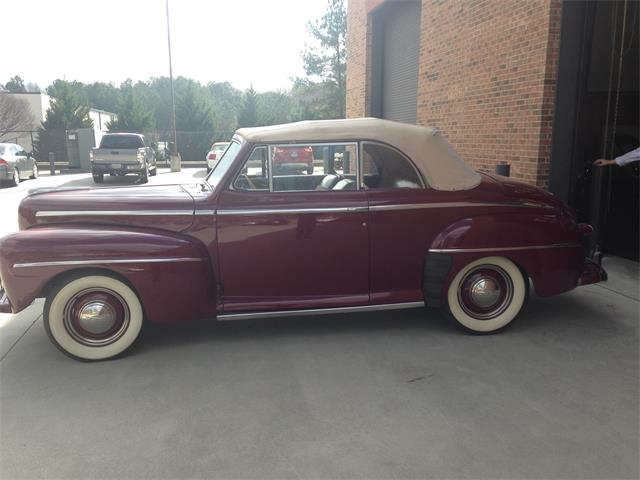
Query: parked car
[(411, 225), (293, 159), (123, 153), (16, 164), (217, 149)]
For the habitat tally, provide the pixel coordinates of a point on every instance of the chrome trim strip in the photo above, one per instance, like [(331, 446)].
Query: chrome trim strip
[(99, 261), (319, 311), (105, 213), (503, 249), (282, 211), (416, 206), (205, 212)]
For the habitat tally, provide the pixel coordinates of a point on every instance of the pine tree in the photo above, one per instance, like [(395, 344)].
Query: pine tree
[(326, 61), (69, 110), (132, 115), (248, 116)]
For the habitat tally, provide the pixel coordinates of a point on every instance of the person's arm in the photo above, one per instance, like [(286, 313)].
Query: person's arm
[(621, 161), (627, 158)]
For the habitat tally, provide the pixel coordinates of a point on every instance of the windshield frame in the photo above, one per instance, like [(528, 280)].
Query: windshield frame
[(223, 160)]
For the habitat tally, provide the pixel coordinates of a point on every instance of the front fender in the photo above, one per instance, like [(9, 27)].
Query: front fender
[(170, 272), (547, 246)]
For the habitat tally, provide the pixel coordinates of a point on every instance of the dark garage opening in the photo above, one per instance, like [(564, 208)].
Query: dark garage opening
[(597, 115)]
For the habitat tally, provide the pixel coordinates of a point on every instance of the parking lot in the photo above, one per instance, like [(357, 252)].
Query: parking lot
[(397, 394)]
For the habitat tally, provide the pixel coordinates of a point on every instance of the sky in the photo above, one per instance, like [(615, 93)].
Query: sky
[(245, 42)]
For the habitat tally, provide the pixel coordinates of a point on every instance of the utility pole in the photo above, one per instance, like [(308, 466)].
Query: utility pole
[(175, 156)]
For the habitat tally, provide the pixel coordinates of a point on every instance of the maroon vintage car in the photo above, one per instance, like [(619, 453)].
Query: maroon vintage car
[(399, 222)]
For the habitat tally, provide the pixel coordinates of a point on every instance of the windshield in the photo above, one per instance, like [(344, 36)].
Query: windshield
[(121, 141), (223, 165)]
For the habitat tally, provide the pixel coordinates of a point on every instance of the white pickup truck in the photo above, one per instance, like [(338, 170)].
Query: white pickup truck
[(122, 153)]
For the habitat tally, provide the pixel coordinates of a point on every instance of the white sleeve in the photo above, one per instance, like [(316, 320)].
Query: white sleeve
[(632, 156)]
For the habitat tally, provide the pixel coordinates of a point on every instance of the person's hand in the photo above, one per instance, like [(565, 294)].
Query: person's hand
[(601, 162)]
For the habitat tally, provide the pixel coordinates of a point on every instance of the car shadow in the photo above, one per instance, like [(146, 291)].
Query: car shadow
[(161, 336), (564, 316)]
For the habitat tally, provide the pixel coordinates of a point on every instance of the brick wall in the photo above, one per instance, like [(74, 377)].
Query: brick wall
[(487, 78)]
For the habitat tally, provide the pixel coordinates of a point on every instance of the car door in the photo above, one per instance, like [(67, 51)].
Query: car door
[(402, 224), (294, 241)]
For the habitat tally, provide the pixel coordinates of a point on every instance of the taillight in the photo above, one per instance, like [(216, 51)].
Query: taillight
[(3, 161), (308, 149), (211, 156)]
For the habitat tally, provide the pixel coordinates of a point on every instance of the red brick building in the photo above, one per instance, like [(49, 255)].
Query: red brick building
[(543, 85)]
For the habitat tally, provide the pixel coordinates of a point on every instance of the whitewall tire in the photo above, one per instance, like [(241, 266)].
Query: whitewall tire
[(93, 317), (486, 295)]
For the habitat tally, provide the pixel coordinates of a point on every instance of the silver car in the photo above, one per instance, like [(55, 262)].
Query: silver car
[(16, 164)]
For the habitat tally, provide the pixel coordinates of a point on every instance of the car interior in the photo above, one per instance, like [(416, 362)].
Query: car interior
[(335, 169)]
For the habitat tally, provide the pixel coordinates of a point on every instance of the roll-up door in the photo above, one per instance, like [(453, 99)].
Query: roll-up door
[(400, 57)]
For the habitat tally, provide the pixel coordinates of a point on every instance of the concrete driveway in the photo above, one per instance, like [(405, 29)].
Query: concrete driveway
[(371, 395)]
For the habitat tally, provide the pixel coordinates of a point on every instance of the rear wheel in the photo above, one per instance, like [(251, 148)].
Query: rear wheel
[(93, 317), (15, 180), (34, 171), (486, 295), (98, 177), (144, 176)]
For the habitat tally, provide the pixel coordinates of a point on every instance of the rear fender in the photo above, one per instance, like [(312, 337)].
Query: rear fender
[(547, 248), (171, 273)]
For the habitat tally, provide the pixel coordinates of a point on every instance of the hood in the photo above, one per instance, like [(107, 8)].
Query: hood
[(167, 207)]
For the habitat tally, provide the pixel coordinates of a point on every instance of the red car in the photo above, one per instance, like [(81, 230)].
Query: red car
[(293, 159), (400, 222)]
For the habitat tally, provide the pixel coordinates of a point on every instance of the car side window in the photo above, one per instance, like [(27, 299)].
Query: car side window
[(316, 167), (385, 167), (254, 175)]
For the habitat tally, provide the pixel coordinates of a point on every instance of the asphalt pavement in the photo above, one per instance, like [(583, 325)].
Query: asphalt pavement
[(396, 394)]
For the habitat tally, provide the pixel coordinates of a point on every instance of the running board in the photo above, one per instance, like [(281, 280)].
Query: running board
[(319, 311)]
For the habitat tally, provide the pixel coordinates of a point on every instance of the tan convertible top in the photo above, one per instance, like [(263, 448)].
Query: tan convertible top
[(442, 168)]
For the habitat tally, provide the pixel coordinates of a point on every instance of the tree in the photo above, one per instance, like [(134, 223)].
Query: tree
[(326, 60), (15, 115), (274, 108), (69, 110), (248, 116), (194, 119), (227, 103), (132, 115), (33, 87), (104, 96), (15, 85)]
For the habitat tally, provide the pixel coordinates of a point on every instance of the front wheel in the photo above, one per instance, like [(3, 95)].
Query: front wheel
[(93, 317), (486, 295), (34, 171)]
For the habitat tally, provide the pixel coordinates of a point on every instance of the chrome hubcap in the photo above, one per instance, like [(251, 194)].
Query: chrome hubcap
[(96, 317), (485, 292)]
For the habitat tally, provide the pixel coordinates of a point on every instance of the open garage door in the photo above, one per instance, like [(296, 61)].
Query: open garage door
[(597, 115)]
